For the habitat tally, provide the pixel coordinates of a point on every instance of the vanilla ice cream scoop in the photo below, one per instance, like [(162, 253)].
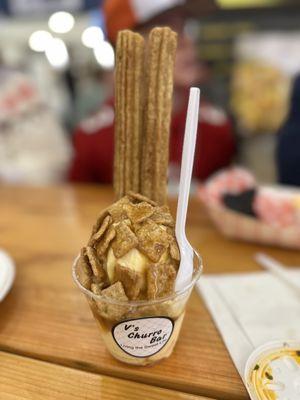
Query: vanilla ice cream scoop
[(134, 260)]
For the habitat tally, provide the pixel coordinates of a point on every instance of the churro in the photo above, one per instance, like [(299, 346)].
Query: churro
[(157, 116), (128, 125), (143, 113)]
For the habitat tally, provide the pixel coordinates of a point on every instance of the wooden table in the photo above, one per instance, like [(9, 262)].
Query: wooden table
[(49, 343)]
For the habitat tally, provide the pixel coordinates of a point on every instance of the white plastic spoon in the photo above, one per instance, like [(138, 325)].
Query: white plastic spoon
[(185, 271)]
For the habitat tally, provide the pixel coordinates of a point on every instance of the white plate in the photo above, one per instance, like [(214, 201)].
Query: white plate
[(7, 273)]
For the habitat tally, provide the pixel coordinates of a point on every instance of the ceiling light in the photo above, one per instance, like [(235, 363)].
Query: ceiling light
[(61, 22), (92, 36), (104, 54), (39, 40), (57, 53)]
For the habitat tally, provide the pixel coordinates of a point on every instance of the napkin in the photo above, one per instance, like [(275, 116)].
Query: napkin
[(251, 309)]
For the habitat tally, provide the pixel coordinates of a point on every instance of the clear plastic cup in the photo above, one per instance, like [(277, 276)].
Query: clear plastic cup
[(140, 332)]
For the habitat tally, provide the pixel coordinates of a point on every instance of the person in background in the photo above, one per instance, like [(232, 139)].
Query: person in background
[(33, 147), (94, 137), (288, 142)]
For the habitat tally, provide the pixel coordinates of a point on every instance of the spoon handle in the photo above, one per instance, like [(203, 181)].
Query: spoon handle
[(187, 161)]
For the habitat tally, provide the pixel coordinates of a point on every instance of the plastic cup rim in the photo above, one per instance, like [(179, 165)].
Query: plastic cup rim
[(139, 302)]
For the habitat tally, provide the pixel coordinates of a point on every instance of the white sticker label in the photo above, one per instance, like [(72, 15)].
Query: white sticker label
[(143, 337)]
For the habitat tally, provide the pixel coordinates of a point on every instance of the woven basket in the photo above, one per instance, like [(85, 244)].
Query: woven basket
[(238, 226)]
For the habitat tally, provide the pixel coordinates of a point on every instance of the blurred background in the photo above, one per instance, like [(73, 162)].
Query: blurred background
[(56, 76)]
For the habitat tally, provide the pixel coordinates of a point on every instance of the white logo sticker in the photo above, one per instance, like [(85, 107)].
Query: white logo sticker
[(143, 337)]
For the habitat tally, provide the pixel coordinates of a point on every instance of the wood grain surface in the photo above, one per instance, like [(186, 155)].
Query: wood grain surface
[(27, 379), (46, 317)]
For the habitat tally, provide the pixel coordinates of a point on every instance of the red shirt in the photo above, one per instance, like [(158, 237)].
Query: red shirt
[(94, 144)]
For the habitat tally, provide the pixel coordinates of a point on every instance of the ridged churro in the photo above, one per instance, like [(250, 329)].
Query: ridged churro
[(157, 115), (128, 118)]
